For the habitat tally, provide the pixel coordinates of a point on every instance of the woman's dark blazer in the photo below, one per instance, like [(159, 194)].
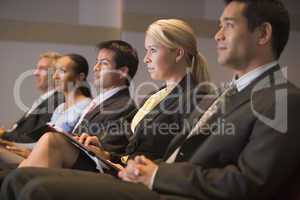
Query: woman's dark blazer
[(154, 132)]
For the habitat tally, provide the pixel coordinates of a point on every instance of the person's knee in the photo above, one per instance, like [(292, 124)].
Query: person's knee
[(15, 180), (36, 189), (51, 139), (49, 136), (19, 174)]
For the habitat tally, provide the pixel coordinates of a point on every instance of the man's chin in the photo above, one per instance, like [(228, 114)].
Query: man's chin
[(59, 89), (42, 88), (225, 63), (38, 85)]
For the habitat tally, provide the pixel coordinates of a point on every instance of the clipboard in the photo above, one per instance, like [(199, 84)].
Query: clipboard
[(102, 163)]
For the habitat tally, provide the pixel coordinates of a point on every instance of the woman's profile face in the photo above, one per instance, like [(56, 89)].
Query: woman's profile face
[(64, 76), (158, 59)]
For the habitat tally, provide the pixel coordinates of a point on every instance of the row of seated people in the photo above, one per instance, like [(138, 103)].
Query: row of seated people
[(111, 120), (223, 146)]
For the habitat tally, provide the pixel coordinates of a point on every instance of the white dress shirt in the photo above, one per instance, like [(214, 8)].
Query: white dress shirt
[(243, 81)]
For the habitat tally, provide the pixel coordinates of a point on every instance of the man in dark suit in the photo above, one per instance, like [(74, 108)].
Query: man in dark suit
[(116, 66), (41, 111), (30, 127), (245, 146)]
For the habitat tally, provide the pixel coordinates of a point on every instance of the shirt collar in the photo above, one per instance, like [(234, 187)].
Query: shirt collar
[(47, 94), (247, 78), (107, 94)]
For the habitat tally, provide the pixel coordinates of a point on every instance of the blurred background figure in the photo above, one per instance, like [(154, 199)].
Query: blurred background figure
[(42, 108)]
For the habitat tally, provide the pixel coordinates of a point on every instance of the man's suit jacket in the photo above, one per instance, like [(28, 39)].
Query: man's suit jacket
[(109, 121), (247, 151), (155, 131), (29, 129)]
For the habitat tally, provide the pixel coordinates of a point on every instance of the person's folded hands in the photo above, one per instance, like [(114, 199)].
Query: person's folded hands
[(139, 170)]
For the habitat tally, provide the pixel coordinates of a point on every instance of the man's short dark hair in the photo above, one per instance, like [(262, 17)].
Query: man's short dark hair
[(274, 12), (124, 55)]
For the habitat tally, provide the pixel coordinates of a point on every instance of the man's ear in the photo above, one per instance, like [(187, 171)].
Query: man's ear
[(124, 72), (179, 54), (264, 33)]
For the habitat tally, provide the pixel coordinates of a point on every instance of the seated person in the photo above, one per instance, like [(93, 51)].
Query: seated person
[(172, 57), (41, 111), (70, 79), (116, 65), (252, 154)]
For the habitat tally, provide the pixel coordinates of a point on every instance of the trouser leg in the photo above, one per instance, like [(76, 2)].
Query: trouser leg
[(57, 184)]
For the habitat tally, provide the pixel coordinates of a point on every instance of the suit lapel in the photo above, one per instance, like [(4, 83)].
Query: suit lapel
[(232, 103), (235, 101), (105, 104), (185, 85), (179, 139), (205, 103), (21, 119), (43, 107)]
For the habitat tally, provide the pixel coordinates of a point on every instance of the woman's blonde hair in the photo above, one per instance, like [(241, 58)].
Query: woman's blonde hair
[(174, 33)]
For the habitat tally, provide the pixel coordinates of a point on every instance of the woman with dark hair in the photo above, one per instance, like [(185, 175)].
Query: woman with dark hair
[(70, 79)]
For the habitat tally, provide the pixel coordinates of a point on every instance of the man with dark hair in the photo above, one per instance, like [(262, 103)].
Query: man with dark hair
[(246, 150), (258, 12), (124, 55)]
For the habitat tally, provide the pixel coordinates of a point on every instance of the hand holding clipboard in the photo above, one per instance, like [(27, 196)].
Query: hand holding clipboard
[(92, 151)]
